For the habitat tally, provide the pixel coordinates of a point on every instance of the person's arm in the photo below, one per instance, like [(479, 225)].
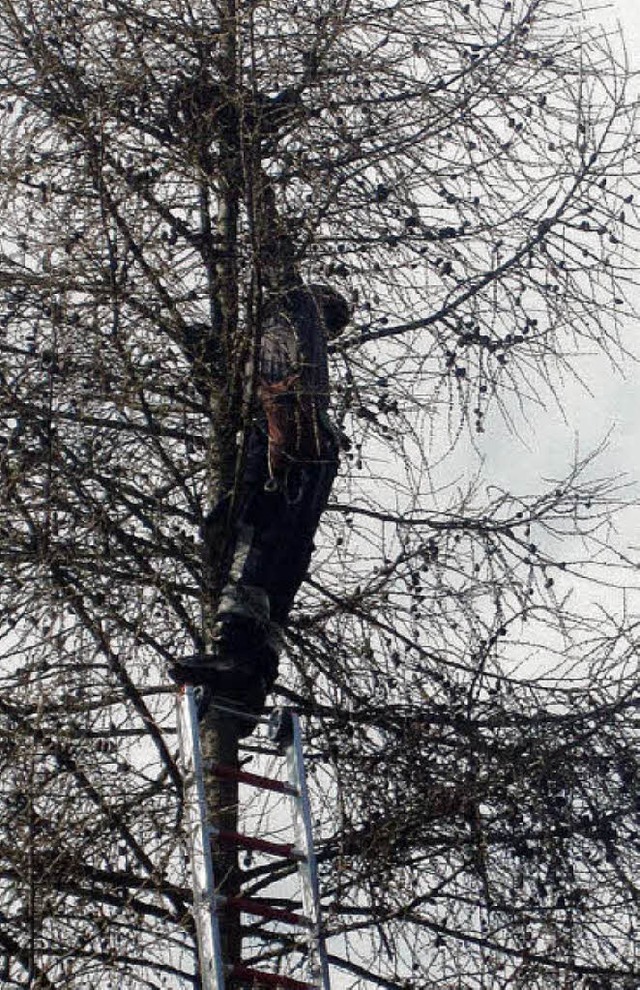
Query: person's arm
[(279, 392), (293, 380)]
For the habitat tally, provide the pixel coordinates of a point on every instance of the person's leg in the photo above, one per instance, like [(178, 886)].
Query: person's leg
[(233, 672), (244, 608), (289, 562), (244, 664), (274, 543), (272, 558)]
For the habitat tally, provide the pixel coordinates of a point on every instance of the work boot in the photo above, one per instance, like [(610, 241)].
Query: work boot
[(239, 693), (238, 688), (238, 675)]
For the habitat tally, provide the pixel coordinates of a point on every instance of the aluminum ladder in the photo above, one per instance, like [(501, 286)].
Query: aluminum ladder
[(284, 731)]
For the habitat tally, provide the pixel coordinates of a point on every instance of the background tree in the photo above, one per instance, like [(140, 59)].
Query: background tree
[(466, 172)]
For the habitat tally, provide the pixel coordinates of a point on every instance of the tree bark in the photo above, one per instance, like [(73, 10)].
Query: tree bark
[(219, 743), (219, 739)]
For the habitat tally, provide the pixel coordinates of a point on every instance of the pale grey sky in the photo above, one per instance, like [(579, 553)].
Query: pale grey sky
[(610, 406), (627, 12)]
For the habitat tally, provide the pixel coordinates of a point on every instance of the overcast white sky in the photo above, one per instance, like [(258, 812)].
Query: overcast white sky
[(628, 13), (548, 438)]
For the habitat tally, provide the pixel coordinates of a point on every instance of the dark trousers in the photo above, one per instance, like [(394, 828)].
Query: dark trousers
[(274, 530)]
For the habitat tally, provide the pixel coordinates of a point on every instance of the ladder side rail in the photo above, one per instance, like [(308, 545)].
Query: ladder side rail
[(308, 868), (204, 897)]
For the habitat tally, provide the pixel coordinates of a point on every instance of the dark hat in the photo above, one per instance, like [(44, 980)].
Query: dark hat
[(335, 308)]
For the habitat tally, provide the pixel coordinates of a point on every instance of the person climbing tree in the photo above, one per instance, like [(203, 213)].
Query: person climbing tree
[(290, 463)]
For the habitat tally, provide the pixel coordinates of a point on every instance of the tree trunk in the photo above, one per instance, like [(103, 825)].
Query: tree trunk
[(219, 738), (219, 743)]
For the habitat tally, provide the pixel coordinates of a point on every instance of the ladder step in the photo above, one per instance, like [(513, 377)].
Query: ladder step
[(284, 849), (249, 906), (258, 750), (259, 979), (254, 780)]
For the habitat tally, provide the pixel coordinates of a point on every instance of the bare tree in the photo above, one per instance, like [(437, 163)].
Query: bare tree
[(465, 171)]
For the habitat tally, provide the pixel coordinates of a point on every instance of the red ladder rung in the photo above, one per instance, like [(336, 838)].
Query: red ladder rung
[(253, 779), (248, 905), (285, 849), (260, 979)]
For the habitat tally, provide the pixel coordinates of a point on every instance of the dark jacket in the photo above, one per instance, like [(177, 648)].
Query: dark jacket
[(293, 377)]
